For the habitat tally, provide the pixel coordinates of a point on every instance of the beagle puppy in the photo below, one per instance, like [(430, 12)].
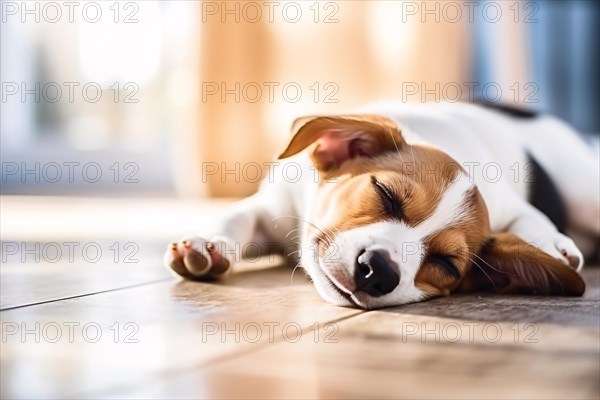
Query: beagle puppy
[(402, 203)]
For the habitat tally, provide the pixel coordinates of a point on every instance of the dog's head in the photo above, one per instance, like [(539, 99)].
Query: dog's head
[(393, 222)]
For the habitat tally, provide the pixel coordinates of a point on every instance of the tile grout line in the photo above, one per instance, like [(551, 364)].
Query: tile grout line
[(85, 294)]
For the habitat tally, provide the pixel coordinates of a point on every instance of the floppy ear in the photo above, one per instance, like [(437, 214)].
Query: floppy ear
[(338, 139), (507, 264)]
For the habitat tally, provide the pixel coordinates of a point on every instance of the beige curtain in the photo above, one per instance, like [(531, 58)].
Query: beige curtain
[(367, 55)]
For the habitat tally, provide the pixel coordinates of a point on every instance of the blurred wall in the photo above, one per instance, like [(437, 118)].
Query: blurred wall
[(539, 54), (216, 84), (363, 53)]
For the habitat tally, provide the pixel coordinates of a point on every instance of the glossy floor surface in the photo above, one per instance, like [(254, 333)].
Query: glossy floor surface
[(88, 311)]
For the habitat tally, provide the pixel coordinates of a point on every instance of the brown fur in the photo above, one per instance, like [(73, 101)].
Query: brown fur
[(463, 242), (507, 264), (378, 133)]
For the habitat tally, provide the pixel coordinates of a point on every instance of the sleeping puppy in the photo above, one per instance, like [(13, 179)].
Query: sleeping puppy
[(402, 203)]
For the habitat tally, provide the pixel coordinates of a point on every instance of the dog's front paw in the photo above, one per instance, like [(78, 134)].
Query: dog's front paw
[(195, 257), (564, 249)]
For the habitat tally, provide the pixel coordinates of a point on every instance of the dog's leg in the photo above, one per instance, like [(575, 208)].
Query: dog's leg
[(535, 228), (575, 169), (214, 252)]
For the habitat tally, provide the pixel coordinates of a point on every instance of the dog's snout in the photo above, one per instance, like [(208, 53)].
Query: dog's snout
[(374, 273)]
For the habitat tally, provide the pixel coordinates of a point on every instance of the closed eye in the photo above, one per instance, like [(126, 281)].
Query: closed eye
[(445, 264), (390, 201)]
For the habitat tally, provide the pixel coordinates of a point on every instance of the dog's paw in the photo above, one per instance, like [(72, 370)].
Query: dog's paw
[(196, 258), (564, 249)]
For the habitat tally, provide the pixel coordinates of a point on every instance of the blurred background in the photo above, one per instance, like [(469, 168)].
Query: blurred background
[(191, 98)]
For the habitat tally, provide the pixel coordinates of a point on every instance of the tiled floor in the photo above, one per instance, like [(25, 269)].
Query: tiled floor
[(89, 327)]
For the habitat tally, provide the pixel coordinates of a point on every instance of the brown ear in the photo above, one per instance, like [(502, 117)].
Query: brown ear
[(340, 138), (507, 264)]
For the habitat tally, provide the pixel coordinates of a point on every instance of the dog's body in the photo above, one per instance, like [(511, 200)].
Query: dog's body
[(407, 202)]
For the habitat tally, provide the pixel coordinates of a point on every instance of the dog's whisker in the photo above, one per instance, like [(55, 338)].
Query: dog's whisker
[(299, 219), (488, 264), (293, 230), (293, 271), (293, 239), (295, 251), (485, 273), (325, 231), (395, 144)]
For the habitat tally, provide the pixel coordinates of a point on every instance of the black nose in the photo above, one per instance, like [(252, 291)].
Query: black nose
[(374, 273)]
